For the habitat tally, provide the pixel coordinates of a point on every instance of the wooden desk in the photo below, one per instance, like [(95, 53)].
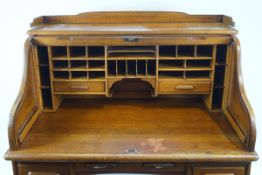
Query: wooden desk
[(132, 92)]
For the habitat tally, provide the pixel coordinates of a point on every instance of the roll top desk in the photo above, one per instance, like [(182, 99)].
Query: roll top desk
[(132, 92)]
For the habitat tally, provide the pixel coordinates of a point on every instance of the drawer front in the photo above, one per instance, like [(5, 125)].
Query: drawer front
[(42, 169), (184, 87), (95, 86), (219, 171), (130, 167)]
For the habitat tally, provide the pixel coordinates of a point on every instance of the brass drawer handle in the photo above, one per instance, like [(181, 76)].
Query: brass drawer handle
[(103, 166), (79, 87), (220, 174), (42, 173), (159, 165), (131, 39), (185, 87)]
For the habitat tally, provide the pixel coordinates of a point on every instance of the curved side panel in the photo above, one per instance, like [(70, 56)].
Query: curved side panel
[(26, 104), (237, 107)]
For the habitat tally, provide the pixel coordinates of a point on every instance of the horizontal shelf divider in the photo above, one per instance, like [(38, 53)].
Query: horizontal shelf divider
[(131, 58), (184, 58)]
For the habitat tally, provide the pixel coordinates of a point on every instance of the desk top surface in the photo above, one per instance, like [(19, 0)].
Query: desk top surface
[(133, 22), (133, 29), (152, 129)]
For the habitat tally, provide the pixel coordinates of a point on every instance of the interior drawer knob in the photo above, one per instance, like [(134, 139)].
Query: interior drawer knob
[(159, 165), (184, 87), (220, 174), (131, 39), (104, 166), (80, 87), (42, 173)]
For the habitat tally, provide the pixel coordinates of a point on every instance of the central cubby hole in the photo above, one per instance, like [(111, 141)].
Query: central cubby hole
[(151, 67), (121, 67), (60, 64), (171, 64), (131, 67), (171, 74), (205, 51), (198, 74), (111, 68), (167, 51), (79, 74), (136, 52), (96, 74), (137, 49), (78, 64), (185, 51), (198, 63), (96, 51), (59, 51), (95, 64), (77, 51), (61, 74), (141, 67)]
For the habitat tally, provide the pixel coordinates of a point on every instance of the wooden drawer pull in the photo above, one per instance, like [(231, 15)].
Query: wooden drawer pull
[(159, 165), (80, 87), (185, 87), (42, 173)]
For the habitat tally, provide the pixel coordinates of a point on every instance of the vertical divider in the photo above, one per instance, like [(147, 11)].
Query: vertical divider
[(185, 67), (208, 99), (126, 63), (39, 77), (69, 62), (51, 67), (86, 61), (229, 50), (136, 68), (146, 68), (116, 68), (106, 71), (195, 50), (157, 64), (176, 54)]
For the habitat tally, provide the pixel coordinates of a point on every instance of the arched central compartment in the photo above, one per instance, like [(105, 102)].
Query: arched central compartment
[(132, 88)]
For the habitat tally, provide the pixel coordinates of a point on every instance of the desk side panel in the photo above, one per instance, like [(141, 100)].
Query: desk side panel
[(26, 107), (237, 107)]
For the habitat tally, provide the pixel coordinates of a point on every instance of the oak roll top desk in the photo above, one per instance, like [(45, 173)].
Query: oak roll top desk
[(132, 92)]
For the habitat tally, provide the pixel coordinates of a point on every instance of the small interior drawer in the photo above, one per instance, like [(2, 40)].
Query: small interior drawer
[(79, 86), (219, 170), (42, 169), (184, 87)]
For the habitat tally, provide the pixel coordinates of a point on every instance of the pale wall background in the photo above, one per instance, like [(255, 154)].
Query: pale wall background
[(15, 17)]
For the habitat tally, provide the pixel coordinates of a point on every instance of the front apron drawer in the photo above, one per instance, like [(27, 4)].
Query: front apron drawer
[(219, 170), (130, 167), (42, 169)]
